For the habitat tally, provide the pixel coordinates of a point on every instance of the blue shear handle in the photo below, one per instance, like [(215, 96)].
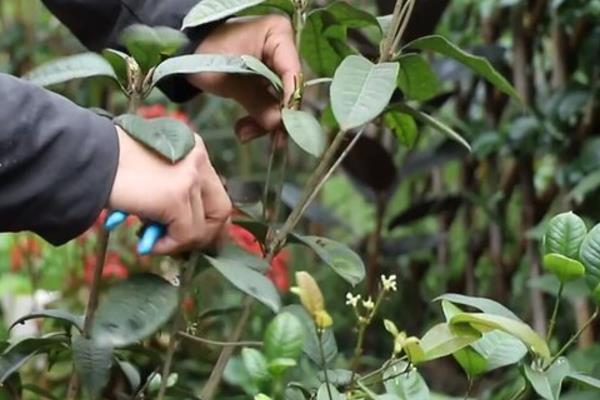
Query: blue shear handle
[(115, 218), (151, 235)]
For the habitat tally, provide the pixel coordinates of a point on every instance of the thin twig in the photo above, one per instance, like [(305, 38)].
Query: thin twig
[(183, 290), (92, 304), (573, 338), (554, 312), (212, 384), (248, 343)]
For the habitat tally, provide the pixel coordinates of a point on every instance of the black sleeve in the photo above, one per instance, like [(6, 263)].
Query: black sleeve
[(57, 162), (99, 23)]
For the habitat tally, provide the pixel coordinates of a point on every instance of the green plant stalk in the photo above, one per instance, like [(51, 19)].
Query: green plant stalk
[(210, 342), (405, 18), (92, 304), (363, 325), (188, 276), (324, 362), (574, 338), (520, 393), (555, 312), (367, 391)]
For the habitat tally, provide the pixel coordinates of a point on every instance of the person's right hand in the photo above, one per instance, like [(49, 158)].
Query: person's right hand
[(187, 197)]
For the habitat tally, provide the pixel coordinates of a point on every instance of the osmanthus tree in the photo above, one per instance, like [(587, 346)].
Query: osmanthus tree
[(297, 357)]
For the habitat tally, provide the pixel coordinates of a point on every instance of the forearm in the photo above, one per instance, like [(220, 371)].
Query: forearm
[(57, 162)]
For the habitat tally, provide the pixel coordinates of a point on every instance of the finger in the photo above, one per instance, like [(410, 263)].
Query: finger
[(180, 233), (259, 103), (281, 55), (217, 206), (247, 129)]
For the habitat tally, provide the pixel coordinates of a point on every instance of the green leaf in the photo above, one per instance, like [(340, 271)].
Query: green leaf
[(385, 22), (131, 373), (500, 349), (588, 380), (213, 10), (147, 45), (322, 45), (254, 64), (169, 137), (17, 354), (443, 340), (284, 337), (407, 386), (311, 341), (133, 309), (279, 365), (44, 393), (305, 131), (323, 393), (548, 384), (266, 7), (66, 69), (488, 322), (196, 63), (349, 16), (338, 256), (473, 363), (63, 316), (449, 309), (361, 90), (589, 253), (486, 305), (565, 268), (118, 60), (479, 65), (564, 235), (434, 123), (416, 78), (403, 126), (255, 364), (92, 363), (247, 280)]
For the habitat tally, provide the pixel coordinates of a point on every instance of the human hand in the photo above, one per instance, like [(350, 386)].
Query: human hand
[(187, 197), (271, 40)]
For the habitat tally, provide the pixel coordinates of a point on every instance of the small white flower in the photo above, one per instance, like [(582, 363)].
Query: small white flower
[(389, 283), (352, 300), (368, 304)]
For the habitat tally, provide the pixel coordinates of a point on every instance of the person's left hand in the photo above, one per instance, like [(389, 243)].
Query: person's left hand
[(271, 40)]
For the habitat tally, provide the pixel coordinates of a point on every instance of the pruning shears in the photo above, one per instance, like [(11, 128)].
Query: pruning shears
[(151, 232)]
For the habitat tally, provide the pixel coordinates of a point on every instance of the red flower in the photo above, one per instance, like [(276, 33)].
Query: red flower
[(31, 246), (159, 111), (278, 271), (153, 111), (113, 267), (16, 259)]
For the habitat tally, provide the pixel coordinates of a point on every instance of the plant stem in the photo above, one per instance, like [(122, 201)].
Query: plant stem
[(405, 17), (363, 324), (520, 393), (469, 388), (324, 362), (272, 152), (183, 290), (92, 304), (211, 386), (198, 339), (574, 338), (554, 312)]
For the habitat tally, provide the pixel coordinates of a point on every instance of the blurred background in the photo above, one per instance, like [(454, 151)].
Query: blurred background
[(425, 209)]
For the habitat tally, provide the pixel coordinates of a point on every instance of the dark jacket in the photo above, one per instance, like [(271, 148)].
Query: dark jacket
[(58, 160)]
